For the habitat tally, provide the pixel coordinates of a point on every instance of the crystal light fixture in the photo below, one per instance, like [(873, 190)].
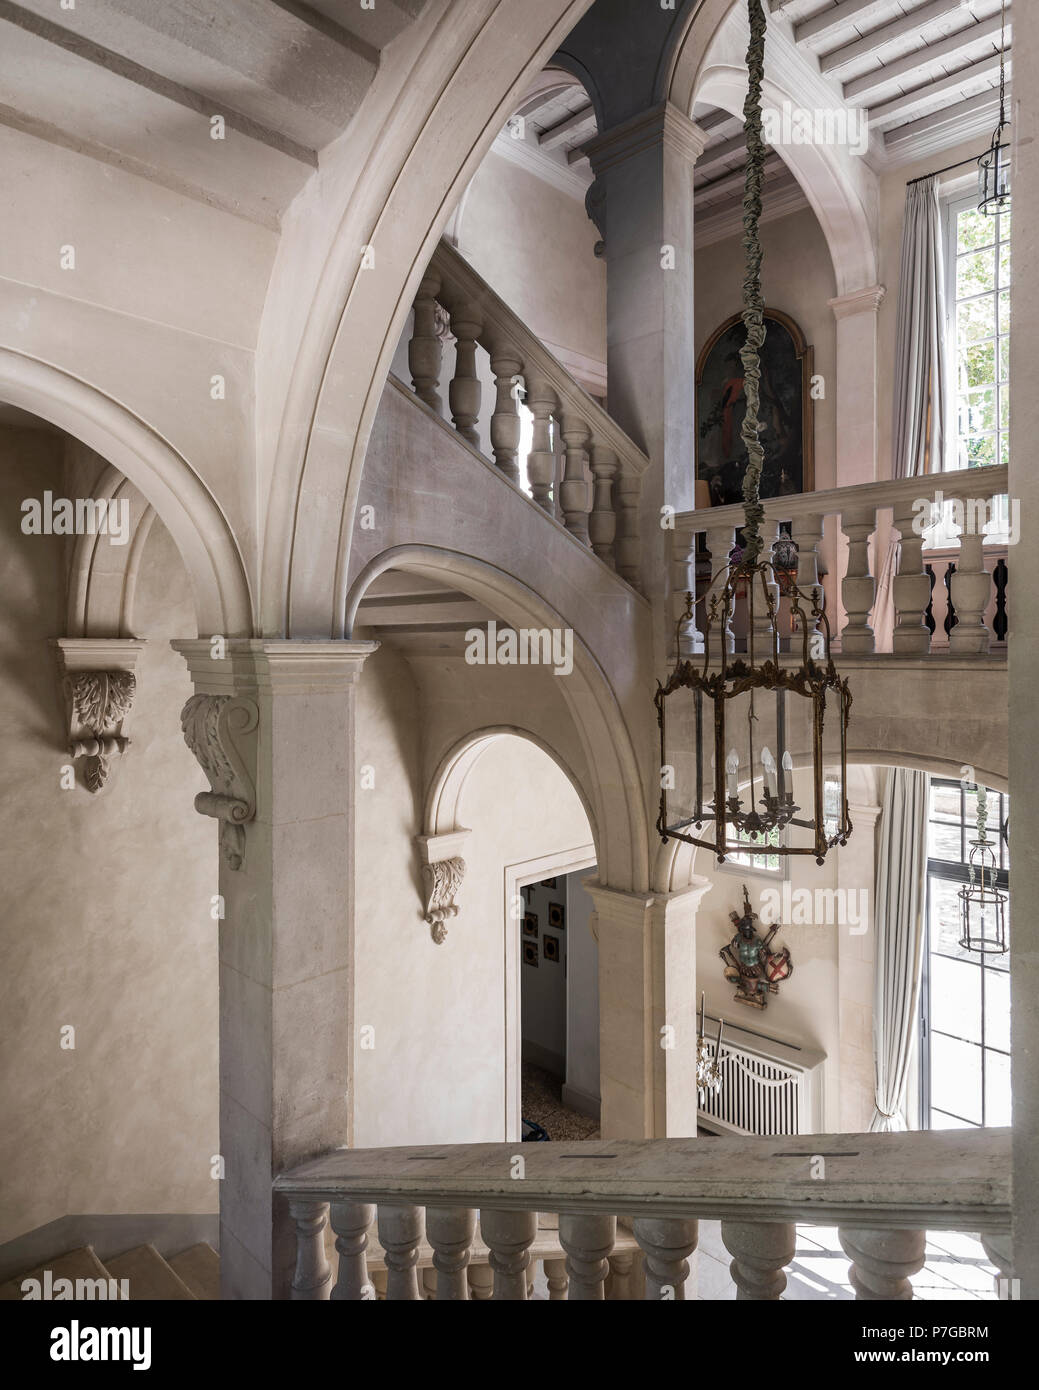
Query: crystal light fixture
[(983, 921), (708, 1066), (994, 164), (738, 704)]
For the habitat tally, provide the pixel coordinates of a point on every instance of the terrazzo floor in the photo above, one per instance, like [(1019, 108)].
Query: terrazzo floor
[(542, 1102)]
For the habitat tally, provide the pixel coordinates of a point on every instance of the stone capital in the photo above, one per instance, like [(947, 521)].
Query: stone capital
[(663, 126), (865, 301), (265, 666)]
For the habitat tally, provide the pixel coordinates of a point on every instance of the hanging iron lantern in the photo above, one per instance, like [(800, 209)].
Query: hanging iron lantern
[(983, 907), (994, 164), (735, 707)]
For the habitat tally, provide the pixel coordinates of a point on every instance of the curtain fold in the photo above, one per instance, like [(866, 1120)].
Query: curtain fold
[(900, 899), (918, 438)]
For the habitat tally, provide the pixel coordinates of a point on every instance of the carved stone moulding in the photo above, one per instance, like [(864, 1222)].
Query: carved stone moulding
[(443, 869), (220, 731), (98, 685)]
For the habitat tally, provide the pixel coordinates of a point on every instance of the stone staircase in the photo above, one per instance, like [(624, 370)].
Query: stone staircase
[(194, 1274)]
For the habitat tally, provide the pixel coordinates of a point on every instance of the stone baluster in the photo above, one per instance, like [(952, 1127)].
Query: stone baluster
[(760, 1250), (911, 586), (312, 1280), (667, 1243), (628, 545), (620, 1284), (378, 1277), (574, 488), (762, 625), (558, 1280), (450, 1231), (400, 1233), (465, 391), (720, 541), (425, 351), (505, 422), (481, 1283), (541, 461), (350, 1221), (509, 1236), (602, 524), (970, 589), (882, 1261), (858, 589), (588, 1241), (806, 532), (683, 581), (1000, 1251)]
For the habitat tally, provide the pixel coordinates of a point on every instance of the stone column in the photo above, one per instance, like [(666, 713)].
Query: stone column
[(271, 723), (644, 185), (856, 369), (647, 1010)]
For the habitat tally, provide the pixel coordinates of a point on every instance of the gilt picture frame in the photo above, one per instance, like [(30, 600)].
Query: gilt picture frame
[(787, 410)]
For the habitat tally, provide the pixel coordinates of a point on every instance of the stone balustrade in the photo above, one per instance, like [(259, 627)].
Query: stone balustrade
[(581, 468), (628, 1212), (948, 586)]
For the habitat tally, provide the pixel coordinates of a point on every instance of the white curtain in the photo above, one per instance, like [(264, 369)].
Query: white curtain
[(918, 440), (900, 899)]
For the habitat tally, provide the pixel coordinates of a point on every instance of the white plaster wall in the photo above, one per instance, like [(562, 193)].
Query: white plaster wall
[(106, 908), (798, 279), (534, 245), (437, 1071)]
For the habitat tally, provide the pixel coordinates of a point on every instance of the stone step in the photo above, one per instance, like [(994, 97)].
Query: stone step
[(199, 1268), (74, 1264), (151, 1278)]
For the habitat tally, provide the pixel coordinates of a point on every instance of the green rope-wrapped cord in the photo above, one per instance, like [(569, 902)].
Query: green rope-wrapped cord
[(753, 303)]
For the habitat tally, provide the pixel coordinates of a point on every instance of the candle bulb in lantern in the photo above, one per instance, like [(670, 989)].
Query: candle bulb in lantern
[(732, 768), (703, 996), (768, 762), (718, 1044)]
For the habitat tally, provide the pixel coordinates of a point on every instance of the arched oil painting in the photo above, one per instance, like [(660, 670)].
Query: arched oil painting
[(786, 411)]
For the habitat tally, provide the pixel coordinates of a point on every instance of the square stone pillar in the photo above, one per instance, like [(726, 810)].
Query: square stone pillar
[(647, 1010), (272, 724), (1023, 647), (856, 385), (644, 188)]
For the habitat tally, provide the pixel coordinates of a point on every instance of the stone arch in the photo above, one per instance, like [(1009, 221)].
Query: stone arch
[(610, 783), (165, 478), (707, 64), (391, 183), (103, 579)]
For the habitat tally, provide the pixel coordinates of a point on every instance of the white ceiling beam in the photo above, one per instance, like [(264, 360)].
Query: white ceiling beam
[(840, 17), (906, 102), (714, 156), (575, 126), (879, 39), (737, 178), (946, 127), (918, 62)]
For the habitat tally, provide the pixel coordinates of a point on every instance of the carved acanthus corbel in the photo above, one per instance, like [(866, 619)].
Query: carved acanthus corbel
[(99, 686), (216, 729), (443, 868)]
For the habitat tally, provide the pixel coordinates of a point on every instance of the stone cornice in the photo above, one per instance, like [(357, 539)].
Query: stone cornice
[(858, 302), (663, 125)]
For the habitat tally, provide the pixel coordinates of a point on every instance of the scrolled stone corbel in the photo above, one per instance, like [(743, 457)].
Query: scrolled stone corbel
[(443, 869), (99, 686), (214, 727)]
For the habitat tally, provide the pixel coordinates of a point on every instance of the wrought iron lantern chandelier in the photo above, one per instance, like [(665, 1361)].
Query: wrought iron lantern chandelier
[(736, 706), (983, 908), (994, 164)]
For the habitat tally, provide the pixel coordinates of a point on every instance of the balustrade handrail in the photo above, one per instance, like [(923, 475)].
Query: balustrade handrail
[(460, 284), (987, 482), (927, 1179)]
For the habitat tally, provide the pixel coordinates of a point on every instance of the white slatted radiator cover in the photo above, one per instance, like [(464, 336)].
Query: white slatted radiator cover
[(768, 1086)]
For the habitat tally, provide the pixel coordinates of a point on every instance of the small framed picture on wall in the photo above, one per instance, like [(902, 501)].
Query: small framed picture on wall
[(530, 925), (557, 916), (530, 953), (552, 951)]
